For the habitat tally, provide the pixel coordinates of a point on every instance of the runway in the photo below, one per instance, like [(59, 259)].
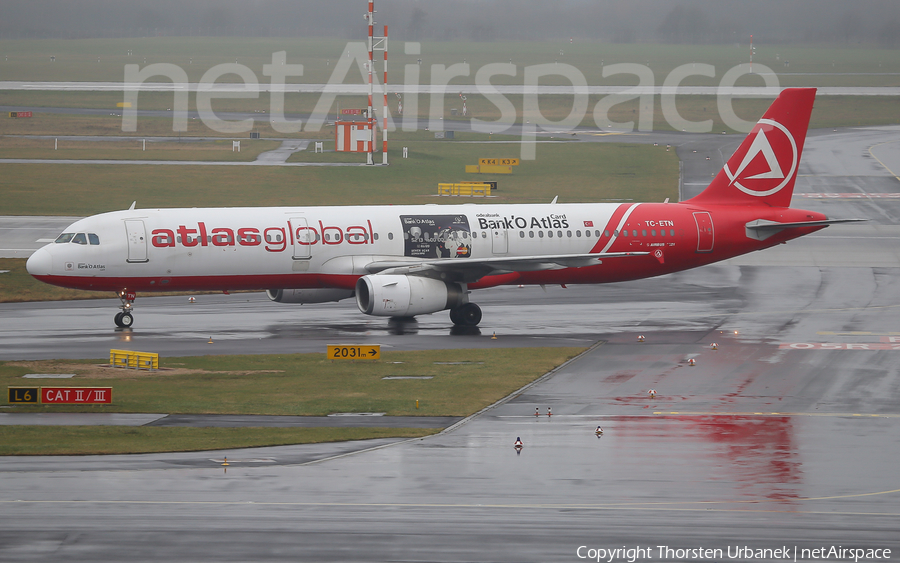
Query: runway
[(785, 435), (430, 89)]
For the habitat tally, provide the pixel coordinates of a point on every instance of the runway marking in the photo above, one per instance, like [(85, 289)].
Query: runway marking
[(849, 195), (257, 460), (779, 312), (655, 414), (879, 160), (819, 414), (857, 333), (867, 346)]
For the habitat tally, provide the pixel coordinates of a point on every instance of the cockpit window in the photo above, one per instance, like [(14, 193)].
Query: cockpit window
[(79, 239), (93, 239), (65, 237)]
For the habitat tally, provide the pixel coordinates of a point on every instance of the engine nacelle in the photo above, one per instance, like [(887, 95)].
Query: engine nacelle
[(405, 296), (308, 295)]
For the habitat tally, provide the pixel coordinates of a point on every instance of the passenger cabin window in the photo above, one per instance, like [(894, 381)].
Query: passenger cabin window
[(80, 238), (65, 237), (93, 239)]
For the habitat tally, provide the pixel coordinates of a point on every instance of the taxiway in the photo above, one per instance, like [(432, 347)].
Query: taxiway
[(786, 434)]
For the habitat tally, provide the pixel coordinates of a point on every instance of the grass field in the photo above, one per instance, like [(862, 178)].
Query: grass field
[(829, 112), (97, 440), (575, 171), (211, 151), (78, 59), (305, 384), (463, 382)]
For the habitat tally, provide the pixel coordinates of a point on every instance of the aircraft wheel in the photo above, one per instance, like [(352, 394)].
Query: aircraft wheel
[(467, 315), (118, 319), (454, 316), (127, 320)]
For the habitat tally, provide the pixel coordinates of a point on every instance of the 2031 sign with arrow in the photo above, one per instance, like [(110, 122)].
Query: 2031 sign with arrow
[(354, 352)]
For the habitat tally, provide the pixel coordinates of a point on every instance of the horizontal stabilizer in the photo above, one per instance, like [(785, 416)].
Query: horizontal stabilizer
[(761, 229)]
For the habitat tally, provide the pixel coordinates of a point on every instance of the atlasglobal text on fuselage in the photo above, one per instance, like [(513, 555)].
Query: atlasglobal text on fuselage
[(402, 261)]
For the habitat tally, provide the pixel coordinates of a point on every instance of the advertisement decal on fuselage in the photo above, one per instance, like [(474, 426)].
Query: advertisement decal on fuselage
[(436, 236)]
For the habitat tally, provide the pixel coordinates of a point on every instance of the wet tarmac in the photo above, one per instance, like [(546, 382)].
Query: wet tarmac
[(750, 447), (787, 434)]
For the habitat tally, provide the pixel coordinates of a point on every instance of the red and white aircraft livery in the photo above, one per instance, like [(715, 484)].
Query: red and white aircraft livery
[(401, 261)]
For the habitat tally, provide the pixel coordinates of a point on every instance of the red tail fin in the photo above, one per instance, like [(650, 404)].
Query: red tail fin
[(763, 169)]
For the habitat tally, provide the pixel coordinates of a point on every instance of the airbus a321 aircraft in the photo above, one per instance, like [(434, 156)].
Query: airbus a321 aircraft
[(402, 261)]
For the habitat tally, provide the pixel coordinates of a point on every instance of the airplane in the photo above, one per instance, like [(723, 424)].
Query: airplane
[(408, 260)]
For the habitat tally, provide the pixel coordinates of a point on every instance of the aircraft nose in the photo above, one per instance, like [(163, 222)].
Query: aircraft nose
[(39, 263)]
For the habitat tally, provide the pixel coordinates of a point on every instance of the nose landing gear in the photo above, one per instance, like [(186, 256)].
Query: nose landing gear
[(125, 319)]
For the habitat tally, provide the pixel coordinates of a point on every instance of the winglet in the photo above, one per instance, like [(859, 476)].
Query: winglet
[(554, 200), (133, 203)]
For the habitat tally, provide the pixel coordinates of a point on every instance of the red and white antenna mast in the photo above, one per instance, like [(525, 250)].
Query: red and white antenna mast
[(751, 54), (384, 127), (370, 117), (376, 44)]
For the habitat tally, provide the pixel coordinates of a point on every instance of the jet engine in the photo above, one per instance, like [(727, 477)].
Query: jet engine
[(406, 296), (308, 295)]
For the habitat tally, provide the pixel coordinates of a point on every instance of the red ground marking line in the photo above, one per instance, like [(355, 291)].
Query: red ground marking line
[(850, 195), (839, 346)]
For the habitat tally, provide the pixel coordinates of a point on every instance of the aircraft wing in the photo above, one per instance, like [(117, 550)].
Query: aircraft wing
[(469, 270), (761, 229)]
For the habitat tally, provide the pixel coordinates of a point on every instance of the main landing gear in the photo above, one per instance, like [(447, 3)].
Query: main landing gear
[(466, 315), (125, 319)]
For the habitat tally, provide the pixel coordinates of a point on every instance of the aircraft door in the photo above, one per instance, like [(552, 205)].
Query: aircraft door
[(304, 238), (705, 233), (137, 241), (499, 241)]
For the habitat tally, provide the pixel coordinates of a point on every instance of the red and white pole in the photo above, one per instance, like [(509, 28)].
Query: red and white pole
[(384, 131), (751, 54), (370, 118)]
